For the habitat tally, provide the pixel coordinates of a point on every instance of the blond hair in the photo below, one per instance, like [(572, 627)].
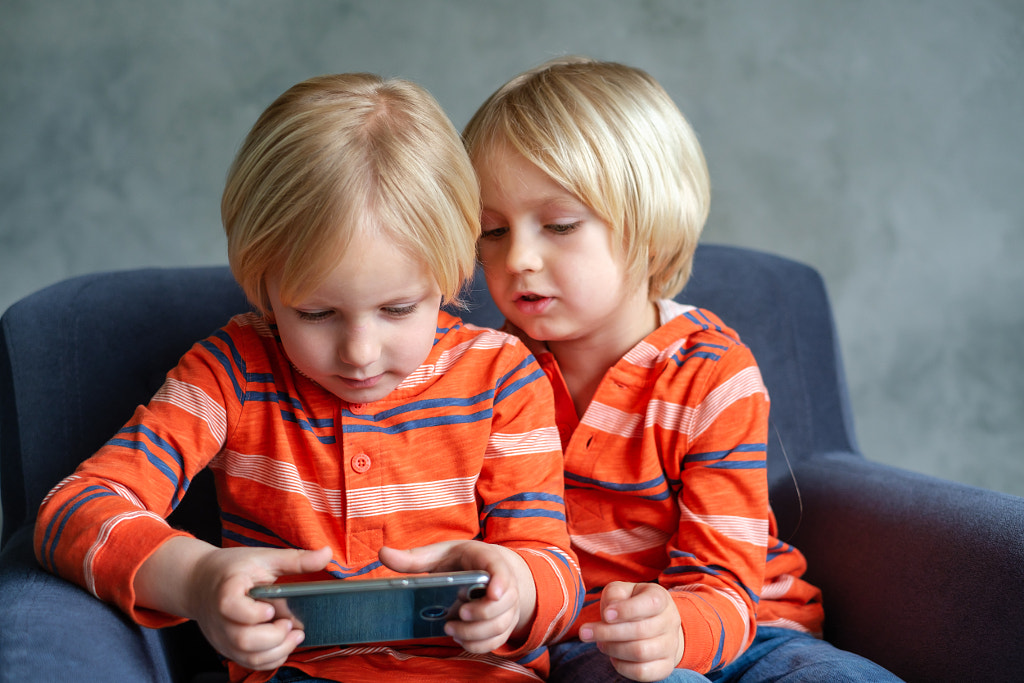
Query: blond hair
[(612, 136), (341, 153)]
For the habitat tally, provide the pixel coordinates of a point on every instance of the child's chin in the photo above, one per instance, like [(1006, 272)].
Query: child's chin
[(541, 332), (365, 395)]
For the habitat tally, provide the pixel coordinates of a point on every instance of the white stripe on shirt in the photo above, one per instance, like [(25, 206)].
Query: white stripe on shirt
[(487, 340), (621, 541), (282, 476), (195, 401), (613, 421), (101, 540), (693, 421), (541, 440), (745, 529), (429, 495)]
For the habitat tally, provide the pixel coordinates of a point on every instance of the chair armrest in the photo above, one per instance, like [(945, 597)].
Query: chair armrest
[(922, 575), (53, 630)]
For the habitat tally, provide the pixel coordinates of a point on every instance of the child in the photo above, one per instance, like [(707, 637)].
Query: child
[(594, 192), (348, 418)]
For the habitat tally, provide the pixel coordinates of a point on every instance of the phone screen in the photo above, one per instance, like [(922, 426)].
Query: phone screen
[(374, 610)]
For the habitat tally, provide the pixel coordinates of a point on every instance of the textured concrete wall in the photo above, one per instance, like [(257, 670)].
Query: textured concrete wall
[(879, 141)]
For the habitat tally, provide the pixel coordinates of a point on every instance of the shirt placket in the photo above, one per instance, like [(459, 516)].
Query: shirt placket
[(363, 482)]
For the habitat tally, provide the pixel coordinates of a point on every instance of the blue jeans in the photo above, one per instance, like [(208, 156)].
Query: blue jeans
[(777, 654)]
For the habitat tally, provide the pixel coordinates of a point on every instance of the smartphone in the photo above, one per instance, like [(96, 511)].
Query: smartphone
[(350, 611)]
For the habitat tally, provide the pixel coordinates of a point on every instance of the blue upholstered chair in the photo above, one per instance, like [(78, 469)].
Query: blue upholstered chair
[(924, 576)]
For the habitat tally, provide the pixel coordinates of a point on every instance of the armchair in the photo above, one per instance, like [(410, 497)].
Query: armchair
[(922, 575)]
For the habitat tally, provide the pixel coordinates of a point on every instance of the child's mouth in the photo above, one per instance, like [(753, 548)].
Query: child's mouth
[(362, 383), (531, 303)]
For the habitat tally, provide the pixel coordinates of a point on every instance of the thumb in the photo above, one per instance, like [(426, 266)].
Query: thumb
[(425, 558), (298, 561), (614, 593)]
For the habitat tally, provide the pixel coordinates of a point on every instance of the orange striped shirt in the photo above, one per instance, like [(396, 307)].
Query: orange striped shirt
[(464, 448), (666, 480)]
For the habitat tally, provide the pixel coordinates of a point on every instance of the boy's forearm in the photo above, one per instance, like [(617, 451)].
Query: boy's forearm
[(164, 581)]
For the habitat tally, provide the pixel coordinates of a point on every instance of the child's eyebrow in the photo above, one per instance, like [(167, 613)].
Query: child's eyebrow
[(560, 201), (544, 203)]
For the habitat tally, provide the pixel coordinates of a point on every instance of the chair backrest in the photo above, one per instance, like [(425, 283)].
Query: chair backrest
[(781, 310), (77, 357)]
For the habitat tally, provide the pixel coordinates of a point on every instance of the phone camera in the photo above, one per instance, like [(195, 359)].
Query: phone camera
[(434, 613)]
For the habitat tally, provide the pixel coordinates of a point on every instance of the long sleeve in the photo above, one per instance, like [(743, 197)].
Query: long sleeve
[(715, 460), (99, 525), (521, 484)]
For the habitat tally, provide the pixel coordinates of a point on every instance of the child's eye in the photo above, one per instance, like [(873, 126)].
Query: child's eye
[(400, 311), (562, 228), (314, 316), (493, 233)]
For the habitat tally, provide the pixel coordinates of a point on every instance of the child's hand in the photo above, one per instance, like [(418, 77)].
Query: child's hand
[(640, 630), (485, 624), (244, 630), (209, 584)]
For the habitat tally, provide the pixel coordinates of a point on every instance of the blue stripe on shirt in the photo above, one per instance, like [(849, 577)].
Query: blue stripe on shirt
[(233, 363), (718, 459), (66, 511), (507, 390), (528, 496), (423, 423), (426, 404), (575, 481), (177, 477)]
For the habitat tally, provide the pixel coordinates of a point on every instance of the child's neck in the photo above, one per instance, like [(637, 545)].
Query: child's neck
[(584, 362)]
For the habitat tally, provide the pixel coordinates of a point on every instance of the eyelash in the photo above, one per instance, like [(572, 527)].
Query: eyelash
[(400, 311), (313, 317), (496, 233), (392, 311), (556, 228), (562, 228)]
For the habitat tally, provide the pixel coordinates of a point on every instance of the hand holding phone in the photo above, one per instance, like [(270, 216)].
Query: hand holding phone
[(193, 579), (505, 613), (351, 611)]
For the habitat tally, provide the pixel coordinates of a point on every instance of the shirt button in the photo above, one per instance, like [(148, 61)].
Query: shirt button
[(361, 463), (356, 408)]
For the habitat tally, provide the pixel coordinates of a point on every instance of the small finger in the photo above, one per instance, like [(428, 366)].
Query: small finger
[(612, 596), (236, 605), (480, 636), (275, 657), (487, 607), (643, 671), (600, 632), (624, 631), (645, 602), (263, 637), (632, 650)]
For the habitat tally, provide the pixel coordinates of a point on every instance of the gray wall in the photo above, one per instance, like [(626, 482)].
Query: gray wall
[(880, 141)]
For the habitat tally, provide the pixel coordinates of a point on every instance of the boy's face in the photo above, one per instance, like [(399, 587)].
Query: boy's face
[(550, 263), (369, 325)]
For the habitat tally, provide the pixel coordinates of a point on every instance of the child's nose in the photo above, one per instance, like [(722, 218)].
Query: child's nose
[(359, 348), (523, 255)]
